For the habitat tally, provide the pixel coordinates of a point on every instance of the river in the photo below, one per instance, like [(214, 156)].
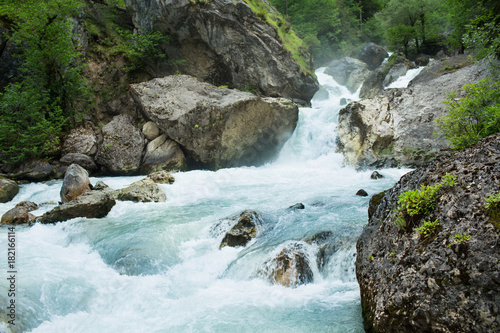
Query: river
[(157, 267)]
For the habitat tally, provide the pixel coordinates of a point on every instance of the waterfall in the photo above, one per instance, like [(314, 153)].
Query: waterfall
[(157, 267)]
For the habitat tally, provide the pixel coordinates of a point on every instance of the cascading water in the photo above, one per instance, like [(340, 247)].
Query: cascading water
[(157, 267)]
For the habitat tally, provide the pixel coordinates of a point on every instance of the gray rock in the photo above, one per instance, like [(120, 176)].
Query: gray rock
[(94, 204), (76, 182), (122, 146), (217, 127), (290, 268), (34, 170), (348, 72), (8, 189), (397, 127), (100, 186), (150, 130), (246, 228), (224, 42), (373, 55), (163, 154), (144, 190), (82, 160), (162, 177), (411, 283), (361, 193), (80, 140), (376, 175)]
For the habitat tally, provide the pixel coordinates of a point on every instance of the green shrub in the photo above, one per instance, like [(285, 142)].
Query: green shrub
[(428, 228), (460, 238), (472, 117), (492, 207)]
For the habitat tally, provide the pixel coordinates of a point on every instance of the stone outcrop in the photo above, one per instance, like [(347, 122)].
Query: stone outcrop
[(8, 189), (449, 280), (20, 214), (121, 149), (144, 190), (34, 170), (348, 72), (163, 154), (397, 127), (290, 268), (224, 42), (76, 182), (373, 55), (246, 228), (82, 160), (217, 127), (94, 204), (80, 140)]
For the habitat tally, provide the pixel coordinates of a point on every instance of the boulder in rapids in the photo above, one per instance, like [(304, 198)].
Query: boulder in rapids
[(20, 214), (8, 189), (217, 127), (162, 177), (76, 182), (144, 190), (245, 229)]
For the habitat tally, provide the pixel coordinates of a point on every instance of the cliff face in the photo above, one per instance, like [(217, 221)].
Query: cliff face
[(449, 280), (396, 128), (224, 42)]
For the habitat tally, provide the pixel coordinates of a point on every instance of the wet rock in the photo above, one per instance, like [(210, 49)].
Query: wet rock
[(209, 37), (122, 145), (30, 206), (34, 170), (376, 175), (217, 127), (150, 130), (76, 182), (297, 206), (80, 140), (410, 283), (362, 193), (348, 72), (8, 189), (100, 186), (290, 268), (18, 215), (374, 202), (162, 177), (163, 154), (144, 190), (82, 160), (245, 229), (94, 204), (373, 55)]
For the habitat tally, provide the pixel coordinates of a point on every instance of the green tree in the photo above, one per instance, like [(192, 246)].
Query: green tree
[(44, 99)]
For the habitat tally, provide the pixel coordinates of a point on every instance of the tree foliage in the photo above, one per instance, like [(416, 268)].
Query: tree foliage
[(35, 108)]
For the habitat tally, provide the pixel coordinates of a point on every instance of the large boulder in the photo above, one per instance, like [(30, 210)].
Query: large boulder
[(217, 127), (122, 146), (290, 268), (163, 154), (8, 189), (20, 214), (397, 127), (246, 228), (94, 204), (373, 55), (224, 42), (440, 279), (35, 170), (76, 182), (348, 72), (80, 140), (82, 160), (144, 190)]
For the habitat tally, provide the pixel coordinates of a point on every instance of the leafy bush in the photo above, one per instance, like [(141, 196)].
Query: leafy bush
[(460, 238), (492, 207), (474, 116), (428, 228)]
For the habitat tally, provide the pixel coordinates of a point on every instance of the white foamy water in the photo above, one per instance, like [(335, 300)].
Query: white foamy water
[(157, 267), (404, 81)]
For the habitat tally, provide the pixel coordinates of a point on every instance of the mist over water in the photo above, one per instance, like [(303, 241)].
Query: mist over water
[(157, 267)]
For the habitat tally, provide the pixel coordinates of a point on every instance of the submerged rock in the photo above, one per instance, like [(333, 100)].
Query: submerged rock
[(94, 204), (8, 189), (217, 127), (376, 175), (20, 214), (290, 268), (144, 190), (76, 182), (224, 42), (245, 229), (162, 177), (361, 193), (447, 281)]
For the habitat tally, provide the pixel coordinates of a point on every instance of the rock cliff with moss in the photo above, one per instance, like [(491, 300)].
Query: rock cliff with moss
[(429, 258)]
